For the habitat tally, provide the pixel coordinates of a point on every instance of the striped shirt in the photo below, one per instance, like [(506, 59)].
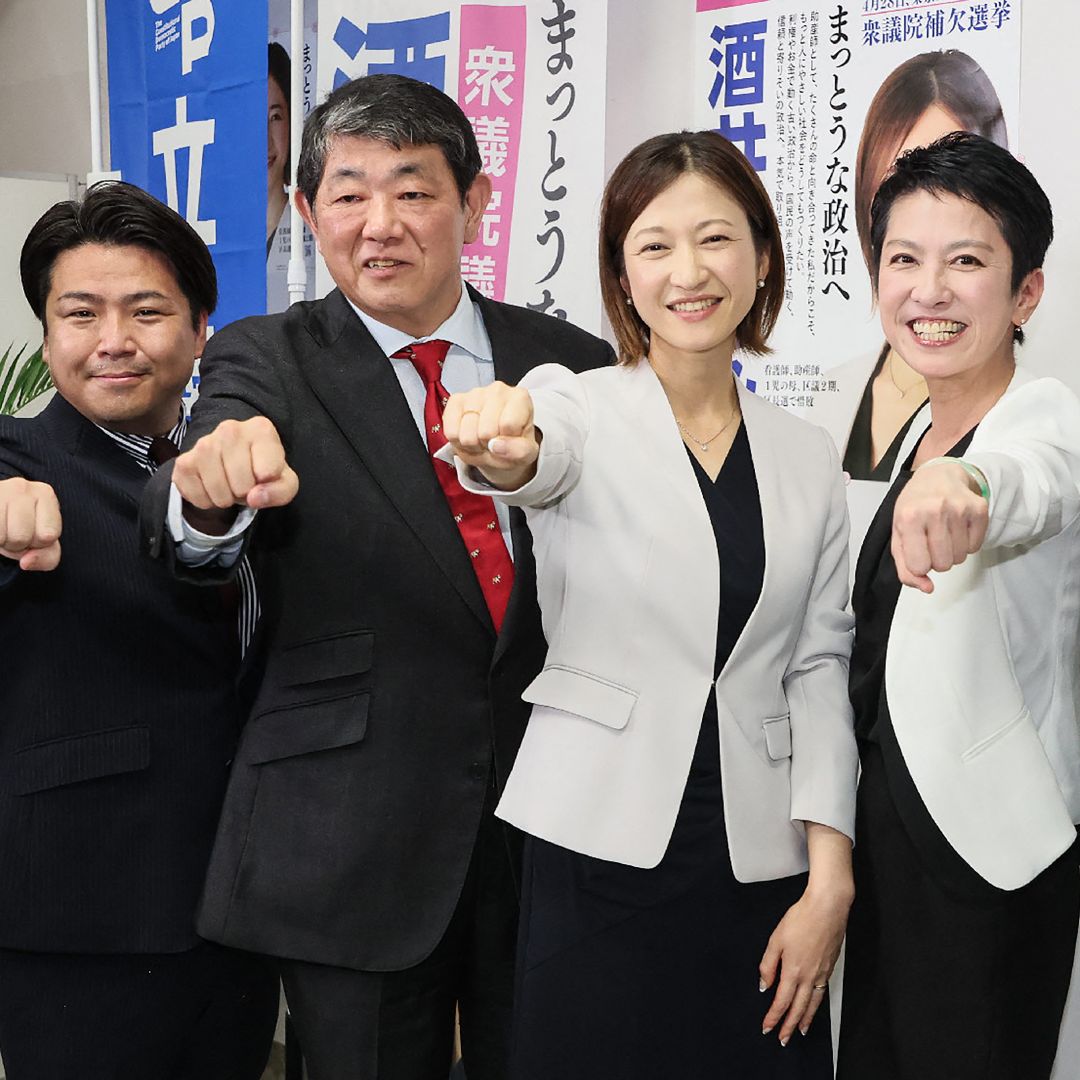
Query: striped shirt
[(138, 447)]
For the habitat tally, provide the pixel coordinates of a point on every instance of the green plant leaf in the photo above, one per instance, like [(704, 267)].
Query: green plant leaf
[(22, 379)]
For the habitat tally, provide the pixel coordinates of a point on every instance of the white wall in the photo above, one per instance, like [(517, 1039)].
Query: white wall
[(22, 202), (44, 101)]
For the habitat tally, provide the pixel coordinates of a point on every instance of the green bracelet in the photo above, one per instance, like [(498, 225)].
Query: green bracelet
[(973, 471)]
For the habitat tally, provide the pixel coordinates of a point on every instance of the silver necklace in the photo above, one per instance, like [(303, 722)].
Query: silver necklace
[(704, 444)]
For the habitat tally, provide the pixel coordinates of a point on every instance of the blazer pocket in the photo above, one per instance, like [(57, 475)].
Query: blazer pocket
[(306, 729), (777, 737), (336, 657), (985, 743), (76, 758), (573, 691)]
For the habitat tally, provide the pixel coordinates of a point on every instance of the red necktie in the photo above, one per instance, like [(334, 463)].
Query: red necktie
[(474, 514)]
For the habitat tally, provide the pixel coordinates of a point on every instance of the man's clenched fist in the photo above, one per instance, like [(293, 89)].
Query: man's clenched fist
[(240, 463), (29, 524)]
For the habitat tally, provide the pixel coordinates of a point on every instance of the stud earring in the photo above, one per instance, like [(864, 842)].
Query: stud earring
[(629, 301), (761, 283)]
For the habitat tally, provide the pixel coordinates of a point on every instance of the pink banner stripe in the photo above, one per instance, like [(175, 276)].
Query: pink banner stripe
[(491, 91), (716, 5)]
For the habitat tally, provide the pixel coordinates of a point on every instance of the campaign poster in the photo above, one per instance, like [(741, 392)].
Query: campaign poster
[(531, 77), (187, 78), (822, 96), (280, 168)]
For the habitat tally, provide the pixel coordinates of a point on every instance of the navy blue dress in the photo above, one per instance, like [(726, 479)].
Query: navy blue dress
[(648, 974)]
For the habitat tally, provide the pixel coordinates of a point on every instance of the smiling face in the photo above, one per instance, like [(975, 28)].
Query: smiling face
[(945, 288), (277, 135), (119, 339), (391, 225), (691, 268)]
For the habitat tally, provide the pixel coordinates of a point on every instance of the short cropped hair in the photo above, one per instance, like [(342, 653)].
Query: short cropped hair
[(391, 109), (978, 170), (116, 214), (643, 174), (949, 79)]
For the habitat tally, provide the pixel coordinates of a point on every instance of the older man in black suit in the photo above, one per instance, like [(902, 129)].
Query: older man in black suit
[(401, 626), (118, 707)]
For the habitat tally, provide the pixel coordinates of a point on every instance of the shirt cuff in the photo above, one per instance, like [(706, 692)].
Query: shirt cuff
[(195, 548)]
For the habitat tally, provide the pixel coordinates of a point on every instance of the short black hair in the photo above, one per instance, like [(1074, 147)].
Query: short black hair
[(117, 214), (978, 170), (392, 109), (279, 68)]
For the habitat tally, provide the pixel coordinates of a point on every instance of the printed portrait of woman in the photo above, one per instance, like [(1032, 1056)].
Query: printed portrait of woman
[(277, 138), (924, 98), (278, 81)]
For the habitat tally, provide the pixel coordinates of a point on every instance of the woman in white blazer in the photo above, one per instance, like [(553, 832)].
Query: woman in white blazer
[(966, 686), (690, 753)]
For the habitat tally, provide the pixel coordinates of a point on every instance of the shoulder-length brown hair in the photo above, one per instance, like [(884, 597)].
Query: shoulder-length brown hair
[(949, 79), (643, 174)]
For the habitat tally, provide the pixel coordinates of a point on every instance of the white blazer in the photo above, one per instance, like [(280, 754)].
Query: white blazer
[(628, 582), (983, 674)]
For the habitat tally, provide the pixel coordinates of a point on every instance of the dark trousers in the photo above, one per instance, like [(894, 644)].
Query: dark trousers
[(943, 979), (205, 1014), (399, 1025)]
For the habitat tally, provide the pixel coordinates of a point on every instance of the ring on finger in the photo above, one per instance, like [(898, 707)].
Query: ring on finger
[(821, 986), (470, 412)]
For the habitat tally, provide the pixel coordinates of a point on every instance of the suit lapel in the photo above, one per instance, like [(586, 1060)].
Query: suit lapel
[(510, 352), (69, 429), (356, 385)]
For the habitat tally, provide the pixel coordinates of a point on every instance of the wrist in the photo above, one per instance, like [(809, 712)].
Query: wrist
[(836, 892), (974, 477), (211, 522)]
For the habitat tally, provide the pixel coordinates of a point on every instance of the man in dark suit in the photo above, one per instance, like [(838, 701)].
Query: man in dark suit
[(358, 841), (118, 707)]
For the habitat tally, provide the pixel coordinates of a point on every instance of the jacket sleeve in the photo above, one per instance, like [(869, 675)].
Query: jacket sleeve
[(238, 379), (1031, 462), (824, 758), (561, 414), (13, 434)]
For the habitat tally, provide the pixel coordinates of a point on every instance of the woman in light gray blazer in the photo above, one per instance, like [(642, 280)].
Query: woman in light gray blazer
[(688, 773)]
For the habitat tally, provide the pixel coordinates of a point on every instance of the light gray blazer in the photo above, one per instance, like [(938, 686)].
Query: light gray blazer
[(983, 674), (628, 582)]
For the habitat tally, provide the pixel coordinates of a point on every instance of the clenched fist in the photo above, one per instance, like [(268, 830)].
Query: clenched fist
[(29, 524), (939, 520), (491, 429), (240, 463)]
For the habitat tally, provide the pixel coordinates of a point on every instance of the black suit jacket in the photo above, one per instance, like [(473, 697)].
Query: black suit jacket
[(385, 700), (118, 714)]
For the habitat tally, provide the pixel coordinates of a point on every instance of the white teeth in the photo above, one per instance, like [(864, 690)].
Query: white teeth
[(936, 329), (693, 305), (381, 264)]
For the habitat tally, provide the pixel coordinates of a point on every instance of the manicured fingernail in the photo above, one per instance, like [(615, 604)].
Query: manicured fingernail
[(496, 446), (762, 986), (803, 1031), (766, 1030), (784, 1042)]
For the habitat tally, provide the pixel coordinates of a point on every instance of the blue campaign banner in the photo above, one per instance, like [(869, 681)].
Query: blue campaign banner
[(187, 119)]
